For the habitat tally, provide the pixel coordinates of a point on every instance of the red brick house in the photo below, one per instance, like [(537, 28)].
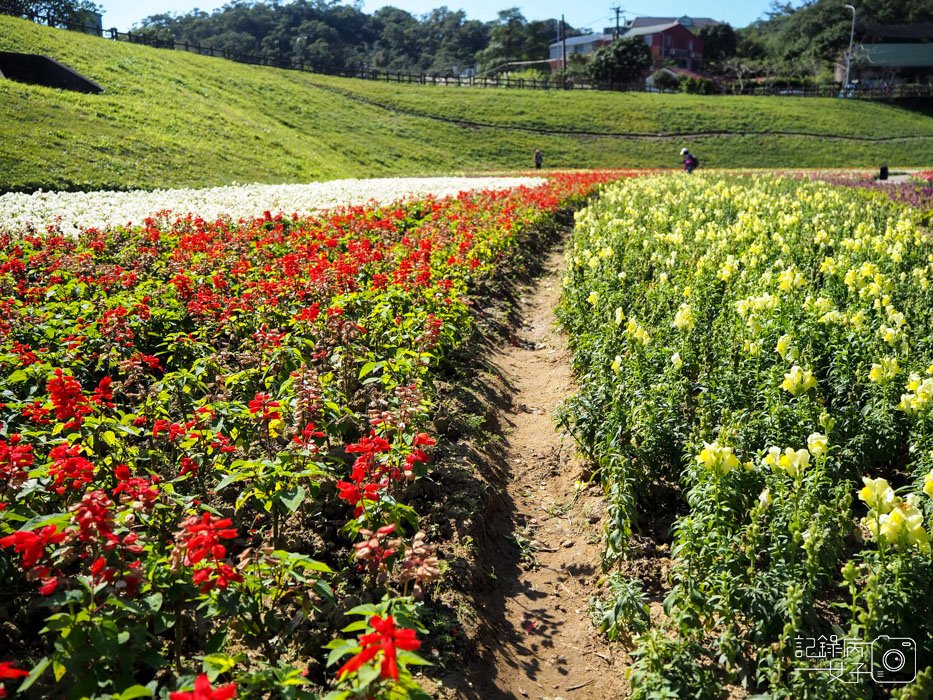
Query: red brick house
[(670, 43)]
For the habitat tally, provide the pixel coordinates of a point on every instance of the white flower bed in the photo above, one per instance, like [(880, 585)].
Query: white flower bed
[(75, 211)]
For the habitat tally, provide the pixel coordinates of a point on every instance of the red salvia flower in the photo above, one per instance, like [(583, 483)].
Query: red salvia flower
[(423, 439), (220, 575), (375, 548), (69, 402), (188, 466), (103, 394), (203, 691), (262, 403), (31, 545), (94, 518), (139, 491), (15, 460), (36, 413), (198, 541), (69, 465), (8, 671), (386, 638), (201, 537)]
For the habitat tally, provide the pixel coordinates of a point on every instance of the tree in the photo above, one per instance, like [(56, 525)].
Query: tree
[(622, 61), (816, 32), (55, 12), (505, 40), (665, 80), (398, 44), (719, 42)]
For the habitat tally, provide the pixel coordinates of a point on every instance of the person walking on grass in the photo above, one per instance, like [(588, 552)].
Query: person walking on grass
[(691, 162), (539, 158)]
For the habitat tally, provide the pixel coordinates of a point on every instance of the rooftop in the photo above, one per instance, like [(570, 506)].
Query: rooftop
[(895, 55), (689, 22), (584, 39)]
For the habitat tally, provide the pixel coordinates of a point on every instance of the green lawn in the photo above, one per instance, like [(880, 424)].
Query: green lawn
[(585, 111), (171, 119)]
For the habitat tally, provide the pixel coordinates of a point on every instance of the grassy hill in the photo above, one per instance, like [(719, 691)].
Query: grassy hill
[(169, 119)]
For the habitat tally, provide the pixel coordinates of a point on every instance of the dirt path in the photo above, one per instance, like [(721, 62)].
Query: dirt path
[(543, 535)]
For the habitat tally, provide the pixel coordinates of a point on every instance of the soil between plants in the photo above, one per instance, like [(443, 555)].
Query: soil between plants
[(527, 564)]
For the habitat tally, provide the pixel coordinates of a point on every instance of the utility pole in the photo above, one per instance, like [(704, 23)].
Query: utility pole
[(849, 54), (563, 41), (617, 32)]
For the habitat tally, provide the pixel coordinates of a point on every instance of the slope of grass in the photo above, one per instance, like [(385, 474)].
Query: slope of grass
[(621, 113), (171, 119)]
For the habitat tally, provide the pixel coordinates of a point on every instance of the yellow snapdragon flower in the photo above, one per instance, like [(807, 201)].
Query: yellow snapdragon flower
[(901, 527), (676, 362), (684, 319), (884, 371), (792, 462), (878, 494), (783, 344), (637, 332), (727, 269), (919, 399), (816, 443), (798, 381), (718, 459), (617, 364)]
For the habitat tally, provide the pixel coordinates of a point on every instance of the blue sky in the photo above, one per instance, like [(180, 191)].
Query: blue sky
[(581, 13)]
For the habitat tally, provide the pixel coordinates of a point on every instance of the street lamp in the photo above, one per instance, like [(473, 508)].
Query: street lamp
[(849, 54)]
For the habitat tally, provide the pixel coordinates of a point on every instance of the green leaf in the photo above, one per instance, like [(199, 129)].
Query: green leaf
[(302, 560), (60, 519), (369, 367), (131, 605), (227, 480), (410, 658), (33, 676), (154, 601), (217, 664), (366, 609), (292, 498), (134, 691), (367, 674), (356, 626), (110, 439), (338, 695), (18, 377), (58, 670), (342, 648)]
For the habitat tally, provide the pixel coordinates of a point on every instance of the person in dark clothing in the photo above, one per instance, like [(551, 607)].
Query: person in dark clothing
[(539, 159), (690, 161)]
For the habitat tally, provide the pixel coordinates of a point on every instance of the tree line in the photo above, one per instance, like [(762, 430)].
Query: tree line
[(800, 41)]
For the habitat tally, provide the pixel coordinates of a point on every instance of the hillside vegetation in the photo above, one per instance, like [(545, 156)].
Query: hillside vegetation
[(171, 119)]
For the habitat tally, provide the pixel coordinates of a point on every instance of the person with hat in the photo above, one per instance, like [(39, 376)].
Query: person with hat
[(690, 161)]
